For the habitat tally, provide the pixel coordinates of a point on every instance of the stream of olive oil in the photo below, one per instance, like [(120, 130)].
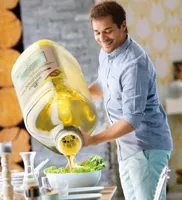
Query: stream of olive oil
[(71, 162)]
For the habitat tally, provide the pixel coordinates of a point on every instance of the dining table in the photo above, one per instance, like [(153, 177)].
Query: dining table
[(108, 193)]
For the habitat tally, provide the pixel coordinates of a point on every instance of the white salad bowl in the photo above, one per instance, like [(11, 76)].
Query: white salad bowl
[(86, 179)]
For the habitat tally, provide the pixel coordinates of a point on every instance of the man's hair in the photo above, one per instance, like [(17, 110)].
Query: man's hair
[(108, 8)]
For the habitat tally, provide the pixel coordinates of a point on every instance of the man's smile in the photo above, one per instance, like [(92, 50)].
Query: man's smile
[(107, 44)]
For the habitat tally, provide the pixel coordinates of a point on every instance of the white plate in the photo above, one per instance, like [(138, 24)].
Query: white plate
[(81, 196), (85, 190), (18, 180), (14, 181), (18, 174), (16, 185)]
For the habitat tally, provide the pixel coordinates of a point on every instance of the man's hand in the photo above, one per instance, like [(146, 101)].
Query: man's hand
[(115, 131), (95, 91), (87, 139)]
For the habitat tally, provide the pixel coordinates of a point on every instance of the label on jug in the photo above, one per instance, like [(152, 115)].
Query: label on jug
[(36, 70)]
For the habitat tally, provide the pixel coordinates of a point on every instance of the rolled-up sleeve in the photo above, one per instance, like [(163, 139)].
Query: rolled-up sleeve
[(98, 82), (135, 84)]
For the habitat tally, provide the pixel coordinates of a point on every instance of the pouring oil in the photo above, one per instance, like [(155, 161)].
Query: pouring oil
[(54, 97)]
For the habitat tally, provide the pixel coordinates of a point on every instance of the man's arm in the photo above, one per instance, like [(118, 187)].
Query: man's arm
[(95, 91), (135, 83), (115, 131)]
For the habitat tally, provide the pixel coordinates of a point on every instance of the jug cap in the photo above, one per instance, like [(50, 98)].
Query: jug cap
[(69, 130)]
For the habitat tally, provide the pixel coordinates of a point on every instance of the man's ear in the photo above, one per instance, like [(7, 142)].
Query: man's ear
[(123, 25)]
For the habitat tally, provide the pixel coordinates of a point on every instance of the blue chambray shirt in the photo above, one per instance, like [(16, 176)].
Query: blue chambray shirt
[(128, 80)]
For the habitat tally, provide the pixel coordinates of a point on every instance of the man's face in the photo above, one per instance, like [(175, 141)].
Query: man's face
[(107, 34)]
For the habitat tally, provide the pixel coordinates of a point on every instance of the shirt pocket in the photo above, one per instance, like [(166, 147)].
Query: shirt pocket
[(115, 88)]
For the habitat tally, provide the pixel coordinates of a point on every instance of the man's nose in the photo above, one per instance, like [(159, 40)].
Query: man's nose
[(102, 37)]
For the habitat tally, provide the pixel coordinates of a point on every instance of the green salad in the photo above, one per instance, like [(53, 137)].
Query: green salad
[(94, 163)]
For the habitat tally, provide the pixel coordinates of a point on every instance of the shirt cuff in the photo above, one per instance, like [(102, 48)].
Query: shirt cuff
[(98, 83), (133, 119)]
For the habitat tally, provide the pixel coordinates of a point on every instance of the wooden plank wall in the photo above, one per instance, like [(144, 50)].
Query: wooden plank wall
[(11, 46)]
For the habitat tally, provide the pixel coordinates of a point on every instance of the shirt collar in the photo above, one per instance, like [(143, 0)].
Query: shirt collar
[(120, 49)]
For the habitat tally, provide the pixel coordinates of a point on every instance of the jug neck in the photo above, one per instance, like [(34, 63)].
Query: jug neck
[(69, 140)]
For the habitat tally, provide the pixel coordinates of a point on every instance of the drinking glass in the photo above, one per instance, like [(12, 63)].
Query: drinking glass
[(61, 187)]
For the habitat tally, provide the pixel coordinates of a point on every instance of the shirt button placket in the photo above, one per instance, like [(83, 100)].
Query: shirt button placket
[(108, 72)]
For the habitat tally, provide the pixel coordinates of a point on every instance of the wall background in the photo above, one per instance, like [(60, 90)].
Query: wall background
[(157, 26)]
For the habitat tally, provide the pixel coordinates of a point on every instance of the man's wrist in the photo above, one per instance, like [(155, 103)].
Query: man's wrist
[(93, 140)]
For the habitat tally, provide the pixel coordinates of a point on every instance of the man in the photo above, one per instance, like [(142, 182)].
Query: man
[(127, 82)]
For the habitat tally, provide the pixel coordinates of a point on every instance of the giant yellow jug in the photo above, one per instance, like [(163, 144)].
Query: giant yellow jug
[(53, 97)]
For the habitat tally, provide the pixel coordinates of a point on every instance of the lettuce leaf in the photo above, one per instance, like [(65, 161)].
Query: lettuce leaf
[(94, 163)]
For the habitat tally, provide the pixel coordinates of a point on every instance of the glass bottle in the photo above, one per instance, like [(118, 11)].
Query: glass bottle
[(30, 181), (46, 188)]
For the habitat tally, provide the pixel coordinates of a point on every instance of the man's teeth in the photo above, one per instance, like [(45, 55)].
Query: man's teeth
[(107, 43)]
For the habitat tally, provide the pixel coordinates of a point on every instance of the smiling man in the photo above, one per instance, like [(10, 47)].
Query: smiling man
[(107, 34), (127, 83)]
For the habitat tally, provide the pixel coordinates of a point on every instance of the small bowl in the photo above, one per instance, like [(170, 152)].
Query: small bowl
[(86, 179)]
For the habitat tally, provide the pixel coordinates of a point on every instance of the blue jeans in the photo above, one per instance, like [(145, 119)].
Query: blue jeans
[(140, 173)]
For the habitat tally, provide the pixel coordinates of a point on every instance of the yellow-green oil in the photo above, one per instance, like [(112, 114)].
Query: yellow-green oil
[(73, 110)]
